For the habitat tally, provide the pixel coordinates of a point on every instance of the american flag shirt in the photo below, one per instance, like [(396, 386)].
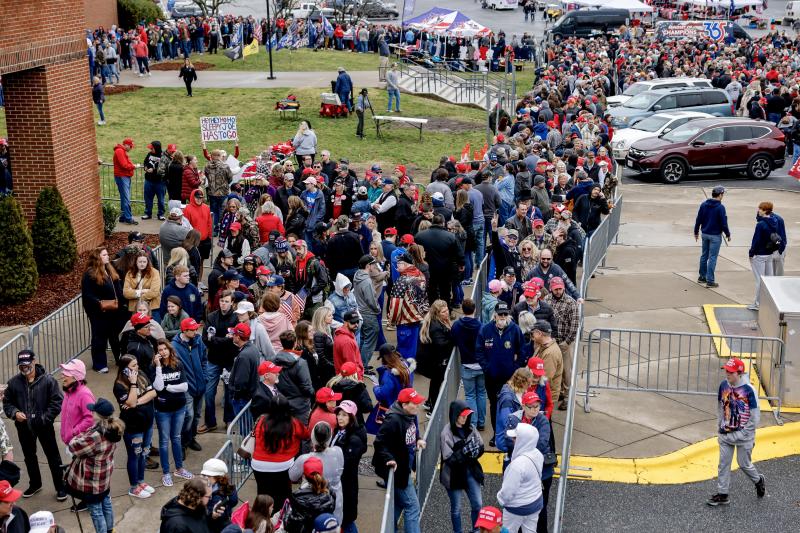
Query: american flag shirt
[(736, 405), (408, 299)]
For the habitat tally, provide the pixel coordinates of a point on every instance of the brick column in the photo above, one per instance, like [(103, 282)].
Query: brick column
[(52, 139)]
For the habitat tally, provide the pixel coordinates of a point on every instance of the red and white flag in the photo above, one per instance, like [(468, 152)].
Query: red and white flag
[(795, 170)]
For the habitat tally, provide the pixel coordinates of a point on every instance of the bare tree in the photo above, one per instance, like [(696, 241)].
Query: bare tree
[(211, 7), (282, 8)]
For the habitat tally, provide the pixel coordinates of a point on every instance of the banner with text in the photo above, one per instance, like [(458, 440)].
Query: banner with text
[(218, 129)]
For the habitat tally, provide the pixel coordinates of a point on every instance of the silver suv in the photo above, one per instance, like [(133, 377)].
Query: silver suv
[(658, 83)]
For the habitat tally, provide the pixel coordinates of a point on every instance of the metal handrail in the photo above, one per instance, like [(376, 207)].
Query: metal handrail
[(387, 517)]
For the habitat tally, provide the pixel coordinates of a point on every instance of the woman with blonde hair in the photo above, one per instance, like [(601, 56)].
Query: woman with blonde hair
[(143, 284), (436, 345), (228, 218), (179, 256), (296, 217), (101, 291), (323, 343), (529, 259), (304, 142)]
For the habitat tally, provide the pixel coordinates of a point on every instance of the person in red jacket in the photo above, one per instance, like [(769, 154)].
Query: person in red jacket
[(191, 178), (345, 347), (199, 216), (123, 171), (268, 221)]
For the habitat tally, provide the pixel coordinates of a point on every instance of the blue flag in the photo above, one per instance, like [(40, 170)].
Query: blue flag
[(408, 8), (328, 29), (273, 43)]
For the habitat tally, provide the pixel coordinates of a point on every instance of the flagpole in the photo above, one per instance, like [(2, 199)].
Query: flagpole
[(269, 42)]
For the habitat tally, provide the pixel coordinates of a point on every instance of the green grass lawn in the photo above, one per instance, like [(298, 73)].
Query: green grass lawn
[(171, 117), (302, 60)]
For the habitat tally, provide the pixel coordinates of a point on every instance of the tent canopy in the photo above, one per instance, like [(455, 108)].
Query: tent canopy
[(447, 22), (634, 6), (737, 4)]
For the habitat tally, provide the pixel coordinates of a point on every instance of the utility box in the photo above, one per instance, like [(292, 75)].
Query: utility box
[(779, 316)]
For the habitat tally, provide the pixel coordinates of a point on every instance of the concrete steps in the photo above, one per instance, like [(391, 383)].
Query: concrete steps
[(420, 81)]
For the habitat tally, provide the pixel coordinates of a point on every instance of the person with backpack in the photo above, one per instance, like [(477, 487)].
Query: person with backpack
[(154, 179), (766, 241)]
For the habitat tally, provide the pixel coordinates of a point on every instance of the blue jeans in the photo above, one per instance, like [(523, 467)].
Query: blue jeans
[(100, 110), (796, 153), (215, 204), (708, 257), (124, 188), (480, 244), (238, 406), (393, 94), (191, 418), (169, 432), (774, 117), (102, 514), (467, 266), (213, 373), (159, 54), (152, 189), (369, 336), (475, 392), (137, 445), (407, 503), (407, 339), (473, 491)]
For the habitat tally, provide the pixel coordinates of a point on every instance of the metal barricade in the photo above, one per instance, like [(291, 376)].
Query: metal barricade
[(8, 355), (387, 518), (61, 336), (678, 363), (108, 186), (238, 429), (596, 247)]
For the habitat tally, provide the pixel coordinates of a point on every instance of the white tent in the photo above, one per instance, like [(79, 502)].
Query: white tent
[(633, 6), (737, 4)]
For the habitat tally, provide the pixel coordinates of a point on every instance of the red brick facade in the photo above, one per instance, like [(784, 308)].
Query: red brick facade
[(100, 13), (49, 109)]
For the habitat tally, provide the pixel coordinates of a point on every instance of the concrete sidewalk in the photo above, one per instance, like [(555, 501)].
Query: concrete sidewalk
[(232, 79), (651, 284)]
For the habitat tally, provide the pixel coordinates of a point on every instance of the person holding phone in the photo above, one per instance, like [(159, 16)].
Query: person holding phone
[(223, 494), (170, 409), (135, 396)]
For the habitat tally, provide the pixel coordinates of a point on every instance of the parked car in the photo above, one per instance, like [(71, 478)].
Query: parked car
[(185, 9), (308, 9), (711, 146), (652, 126), (715, 102), (375, 9), (589, 22), (650, 85), (499, 4)]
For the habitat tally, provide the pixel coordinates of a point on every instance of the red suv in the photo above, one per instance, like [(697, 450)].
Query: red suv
[(711, 146)]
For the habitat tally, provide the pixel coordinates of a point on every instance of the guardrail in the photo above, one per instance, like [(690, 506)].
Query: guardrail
[(679, 363), (241, 426), (387, 517), (594, 253), (108, 187), (8, 355)]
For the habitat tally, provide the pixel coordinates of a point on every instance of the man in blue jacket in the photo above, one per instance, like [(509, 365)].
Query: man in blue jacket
[(779, 255), (465, 332), (713, 222), (497, 350), (343, 87), (182, 287), (192, 354)]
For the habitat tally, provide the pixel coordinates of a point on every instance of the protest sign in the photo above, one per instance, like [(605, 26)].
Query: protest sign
[(218, 129)]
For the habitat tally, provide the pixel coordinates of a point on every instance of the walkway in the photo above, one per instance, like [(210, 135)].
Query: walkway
[(234, 79)]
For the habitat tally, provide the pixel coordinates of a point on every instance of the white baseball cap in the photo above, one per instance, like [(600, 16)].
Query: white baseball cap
[(41, 522)]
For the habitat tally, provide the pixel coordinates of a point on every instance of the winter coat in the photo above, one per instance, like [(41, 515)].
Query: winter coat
[(499, 353), (296, 222), (220, 347), (396, 441), (143, 348), (542, 312), (305, 143), (92, 293), (190, 180), (306, 507), (244, 373), (75, 417), (190, 296), (199, 216), (588, 211), (344, 251), (542, 425), (353, 443), (267, 223), (521, 492), (432, 357), (89, 474), (174, 181), (461, 448), (295, 384), (219, 177), (123, 166), (345, 350), (442, 252), (177, 518), (332, 467), (150, 287), (40, 401), (172, 324), (315, 204), (192, 354), (365, 294), (275, 323), (171, 235), (229, 503), (323, 347), (337, 302), (356, 392)]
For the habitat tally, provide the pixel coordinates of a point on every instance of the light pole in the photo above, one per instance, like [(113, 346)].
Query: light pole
[(269, 42)]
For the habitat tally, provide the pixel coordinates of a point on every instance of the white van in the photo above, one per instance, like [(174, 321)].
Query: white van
[(658, 83), (500, 4), (792, 11)]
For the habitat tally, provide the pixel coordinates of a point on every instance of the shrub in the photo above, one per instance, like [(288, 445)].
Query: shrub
[(110, 216), (18, 275), (54, 244), (133, 12)]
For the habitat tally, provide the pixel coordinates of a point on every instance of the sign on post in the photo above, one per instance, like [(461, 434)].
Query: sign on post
[(218, 129)]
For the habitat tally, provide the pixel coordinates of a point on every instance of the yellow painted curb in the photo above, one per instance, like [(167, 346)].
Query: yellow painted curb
[(696, 462)]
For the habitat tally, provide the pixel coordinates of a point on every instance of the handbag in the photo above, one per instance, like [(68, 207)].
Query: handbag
[(550, 458), (380, 414), (248, 445), (110, 305)]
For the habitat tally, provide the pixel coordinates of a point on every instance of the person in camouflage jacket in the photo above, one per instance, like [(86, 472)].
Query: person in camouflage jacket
[(219, 177)]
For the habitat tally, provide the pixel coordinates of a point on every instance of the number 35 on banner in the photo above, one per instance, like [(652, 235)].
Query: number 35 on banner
[(218, 129)]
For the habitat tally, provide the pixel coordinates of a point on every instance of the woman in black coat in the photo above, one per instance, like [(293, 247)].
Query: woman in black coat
[(323, 344), (175, 176), (101, 295), (189, 75), (436, 344), (352, 439), (354, 390), (589, 208)]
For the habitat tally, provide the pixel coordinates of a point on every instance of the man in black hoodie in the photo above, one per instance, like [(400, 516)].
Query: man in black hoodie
[(295, 383), (221, 353), (154, 185), (396, 445), (445, 259), (244, 374), (33, 401)]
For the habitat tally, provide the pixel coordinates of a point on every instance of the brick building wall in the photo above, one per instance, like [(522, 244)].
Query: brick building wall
[(49, 109), (100, 13)]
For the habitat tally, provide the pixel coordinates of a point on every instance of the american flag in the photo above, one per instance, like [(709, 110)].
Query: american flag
[(257, 32), (407, 301)]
